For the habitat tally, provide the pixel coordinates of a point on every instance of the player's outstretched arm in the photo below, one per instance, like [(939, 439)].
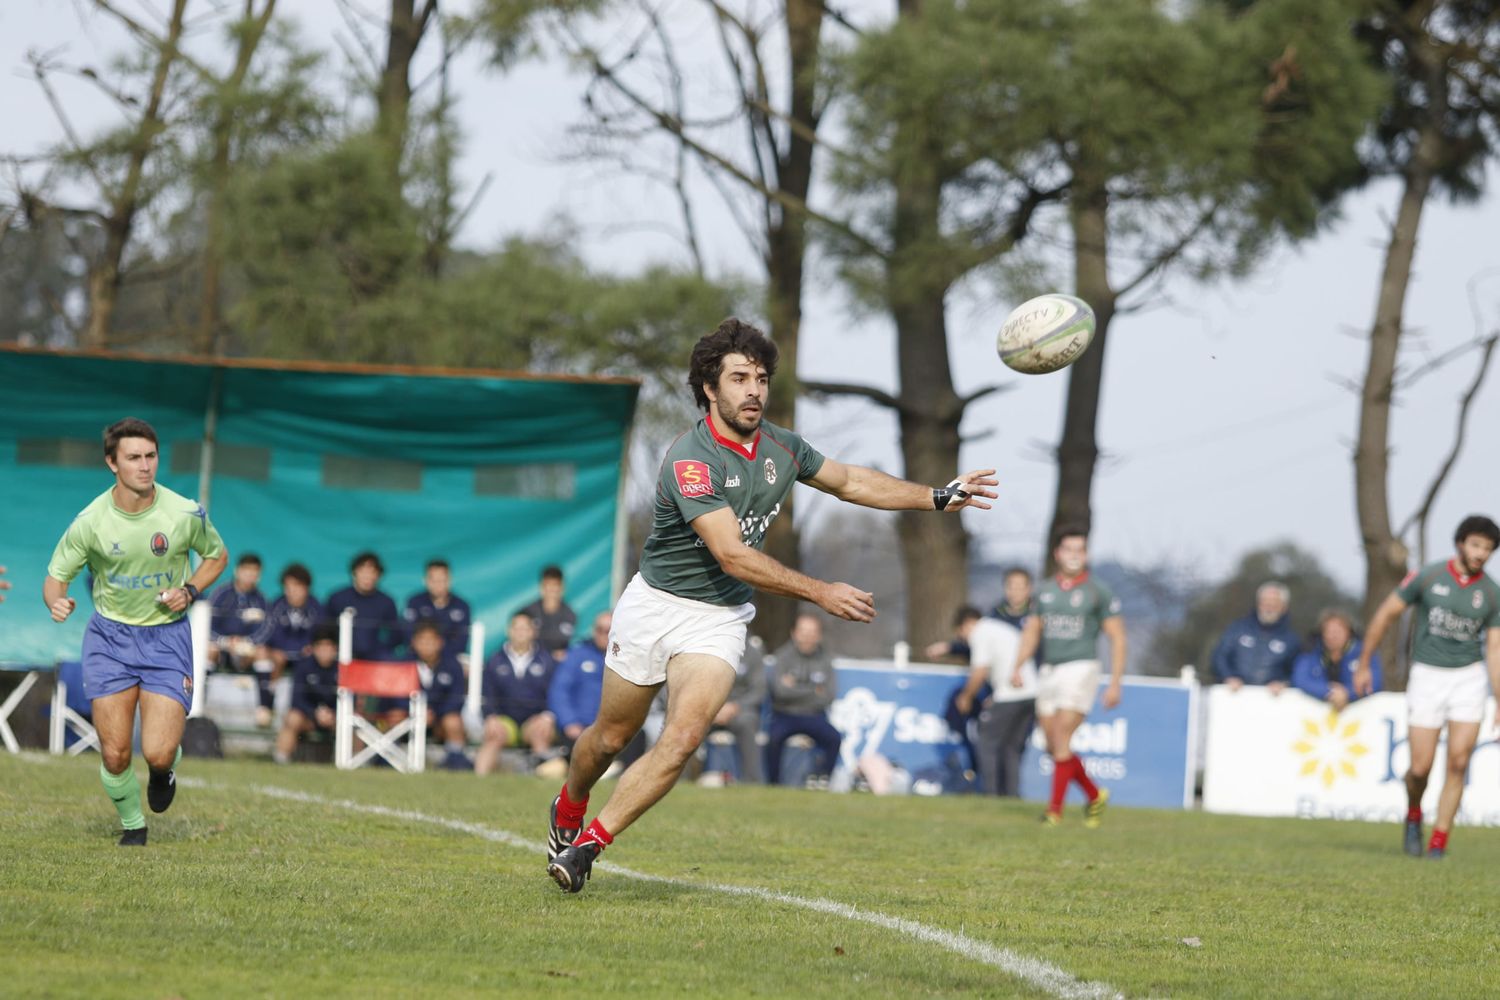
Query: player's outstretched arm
[(55, 596), (720, 531), (1031, 641), (872, 488), (1390, 609), (1114, 628)]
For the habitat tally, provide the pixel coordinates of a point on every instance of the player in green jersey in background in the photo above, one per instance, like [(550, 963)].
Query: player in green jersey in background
[(681, 621), (137, 650), (1456, 629)]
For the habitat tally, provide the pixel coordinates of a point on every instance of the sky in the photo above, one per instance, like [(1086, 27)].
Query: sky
[(1225, 422)]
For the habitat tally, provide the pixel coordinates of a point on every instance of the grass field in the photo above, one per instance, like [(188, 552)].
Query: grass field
[(304, 880)]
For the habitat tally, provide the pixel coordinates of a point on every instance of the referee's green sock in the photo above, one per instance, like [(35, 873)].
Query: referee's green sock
[(124, 790)]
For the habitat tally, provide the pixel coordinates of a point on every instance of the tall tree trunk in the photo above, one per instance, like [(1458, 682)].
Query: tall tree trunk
[(393, 99), (1078, 451), (119, 223), (786, 256), (252, 30), (1385, 554)]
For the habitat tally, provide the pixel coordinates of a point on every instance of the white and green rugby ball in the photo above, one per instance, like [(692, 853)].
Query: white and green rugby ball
[(1046, 333)]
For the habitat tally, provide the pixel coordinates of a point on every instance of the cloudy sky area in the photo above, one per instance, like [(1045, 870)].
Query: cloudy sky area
[(1223, 418)]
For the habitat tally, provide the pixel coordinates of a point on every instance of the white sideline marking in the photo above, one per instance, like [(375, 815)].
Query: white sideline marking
[(1036, 972)]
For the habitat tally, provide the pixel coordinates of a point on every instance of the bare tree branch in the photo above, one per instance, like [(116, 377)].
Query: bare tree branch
[(851, 389), (1169, 254)]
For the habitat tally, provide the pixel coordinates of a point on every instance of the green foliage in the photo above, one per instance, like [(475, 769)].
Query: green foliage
[(244, 890), (1206, 617), (510, 28)]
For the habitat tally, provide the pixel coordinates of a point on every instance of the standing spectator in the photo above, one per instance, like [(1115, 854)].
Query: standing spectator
[(1259, 648), (292, 620), (438, 603), (377, 624), (443, 682), (239, 618), (515, 686), (315, 691), (555, 621), (578, 682), (1006, 717), (1327, 671), (1456, 630), (1069, 614), (802, 685), (741, 714)]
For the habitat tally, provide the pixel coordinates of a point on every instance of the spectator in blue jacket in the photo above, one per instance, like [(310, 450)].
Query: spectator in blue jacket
[(514, 688), (437, 602), (578, 681), (1327, 671), (378, 626), (443, 683), (315, 688), (288, 631), (237, 625), (1259, 648)]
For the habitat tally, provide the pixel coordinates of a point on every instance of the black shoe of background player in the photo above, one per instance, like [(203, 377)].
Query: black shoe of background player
[(1413, 840), (572, 867), (161, 790), (133, 838)]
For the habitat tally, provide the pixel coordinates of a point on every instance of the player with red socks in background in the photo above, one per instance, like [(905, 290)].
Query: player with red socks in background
[(1068, 613)]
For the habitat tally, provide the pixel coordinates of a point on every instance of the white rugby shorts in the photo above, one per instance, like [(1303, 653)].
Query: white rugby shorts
[(651, 626), (1072, 686), (1435, 695)]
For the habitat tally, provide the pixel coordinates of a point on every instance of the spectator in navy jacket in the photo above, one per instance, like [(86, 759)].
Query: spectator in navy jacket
[(288, 631), (377, 624), (438, 603), (555, 621), (443, 683), (315, 687), (1259, 648), (515, 686), (238, 622), (578, 681), (1327, 671)]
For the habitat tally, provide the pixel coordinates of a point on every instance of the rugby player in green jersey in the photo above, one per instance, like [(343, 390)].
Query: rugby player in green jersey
[(681, 621), (137, 650), (1068, 613), (1456, 630)]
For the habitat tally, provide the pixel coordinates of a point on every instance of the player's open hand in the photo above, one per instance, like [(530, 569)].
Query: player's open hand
[(1362, 680), (848, 603), (977, 485), (62, 608)]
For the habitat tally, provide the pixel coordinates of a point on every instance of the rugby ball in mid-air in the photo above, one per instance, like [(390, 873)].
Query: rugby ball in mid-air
[(1046, 333)]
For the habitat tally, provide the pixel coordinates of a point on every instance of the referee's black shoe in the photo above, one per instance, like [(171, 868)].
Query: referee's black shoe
[(161, 789), (572, 867), (133, 838)]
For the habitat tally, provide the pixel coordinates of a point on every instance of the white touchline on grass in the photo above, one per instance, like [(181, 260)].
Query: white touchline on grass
[(1036, 972)]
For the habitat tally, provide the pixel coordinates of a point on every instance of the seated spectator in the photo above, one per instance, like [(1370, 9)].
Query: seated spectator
[(555, 621), (315, 689), (1259, 648), (1327, 671), (803, 686), (515, 686), (377, 623), (239, 616), (438, 603), (741, 714), (287, 635), (443, 682), (578, 682)]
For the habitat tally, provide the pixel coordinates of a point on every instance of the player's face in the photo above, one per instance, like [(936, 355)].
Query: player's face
[(134, 464), (439, 581), (1072, 555), (326, 651), (740, 396), (427, 644), (552, 589), (1473, 552), (1017, 590), (1269, 606)]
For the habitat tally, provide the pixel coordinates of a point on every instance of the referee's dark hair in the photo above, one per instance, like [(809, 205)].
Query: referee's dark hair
[(1477, 524), (732, 337), (130, 427)]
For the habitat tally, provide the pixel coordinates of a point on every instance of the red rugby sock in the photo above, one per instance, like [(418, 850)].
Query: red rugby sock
[(1414, 814), (1439, 841), (1081, 776), (595, 834), (1061, 770), (570, 813)]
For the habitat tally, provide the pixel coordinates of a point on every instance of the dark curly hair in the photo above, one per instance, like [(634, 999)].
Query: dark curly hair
[(1477, 524), (732, 337)]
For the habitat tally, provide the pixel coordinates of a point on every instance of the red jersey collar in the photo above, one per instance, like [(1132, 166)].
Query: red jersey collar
[(1068, 583), (748, 451), (1463, 581)]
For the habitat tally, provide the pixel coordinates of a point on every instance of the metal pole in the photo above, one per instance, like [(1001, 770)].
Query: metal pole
[(210, 435)]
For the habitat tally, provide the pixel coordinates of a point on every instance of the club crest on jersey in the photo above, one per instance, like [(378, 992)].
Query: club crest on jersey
[(159, 544), (1478, 599), (770, 472), (693, 479), (1076, 599)]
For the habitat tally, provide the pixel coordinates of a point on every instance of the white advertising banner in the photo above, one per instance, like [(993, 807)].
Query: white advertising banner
[(1288, 755)]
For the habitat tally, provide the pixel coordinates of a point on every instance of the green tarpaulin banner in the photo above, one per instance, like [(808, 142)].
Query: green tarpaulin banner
[(499, 474)]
